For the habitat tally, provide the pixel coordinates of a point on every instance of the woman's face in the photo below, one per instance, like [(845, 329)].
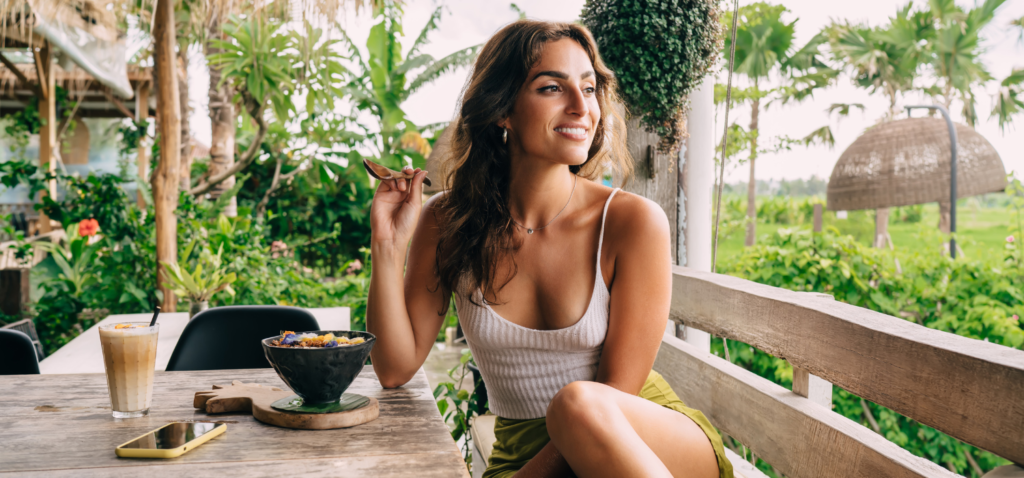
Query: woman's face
[(556, 113)]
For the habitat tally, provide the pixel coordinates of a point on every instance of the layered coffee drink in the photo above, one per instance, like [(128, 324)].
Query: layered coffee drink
[(129, 357)]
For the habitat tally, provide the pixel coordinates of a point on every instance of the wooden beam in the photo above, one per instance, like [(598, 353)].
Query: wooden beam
[(793, 434), (42, 57), (969, 389), (142, 156), (17, 73), (812, 387), (165, 178), (120, 106), (48, 131)]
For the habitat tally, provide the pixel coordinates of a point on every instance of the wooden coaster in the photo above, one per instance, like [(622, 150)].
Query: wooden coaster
[(259, 400)]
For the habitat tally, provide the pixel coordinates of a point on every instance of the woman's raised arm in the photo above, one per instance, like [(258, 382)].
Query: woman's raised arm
[(402, 313)]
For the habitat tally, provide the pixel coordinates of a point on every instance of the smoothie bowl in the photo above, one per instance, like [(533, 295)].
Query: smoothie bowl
[(319, 366)]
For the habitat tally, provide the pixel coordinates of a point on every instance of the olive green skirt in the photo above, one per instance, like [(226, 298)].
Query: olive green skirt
[(518, 441)]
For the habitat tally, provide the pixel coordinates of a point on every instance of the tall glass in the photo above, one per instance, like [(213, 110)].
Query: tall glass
[(129, 357)]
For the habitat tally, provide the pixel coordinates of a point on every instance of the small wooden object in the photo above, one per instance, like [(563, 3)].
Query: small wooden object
[(242, 397), (383, 173)]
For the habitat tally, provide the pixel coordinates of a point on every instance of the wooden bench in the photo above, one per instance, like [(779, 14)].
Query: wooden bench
[(969, 389)]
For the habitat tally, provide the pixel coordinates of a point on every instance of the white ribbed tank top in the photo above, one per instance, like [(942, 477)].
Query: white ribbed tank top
[(524, 368)]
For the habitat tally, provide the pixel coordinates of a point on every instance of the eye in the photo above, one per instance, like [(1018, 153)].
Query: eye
[(548, 88), (590, 90)]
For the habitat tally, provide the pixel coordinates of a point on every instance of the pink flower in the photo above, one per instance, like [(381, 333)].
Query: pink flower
[(88, 227), (1015, 317), (276, 249), (1009, 239), (356, 265)]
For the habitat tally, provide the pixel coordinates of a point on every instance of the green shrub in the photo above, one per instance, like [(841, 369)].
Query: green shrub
[(660, 52)]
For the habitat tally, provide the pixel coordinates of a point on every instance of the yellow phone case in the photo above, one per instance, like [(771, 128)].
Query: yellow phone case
[(166, 453)]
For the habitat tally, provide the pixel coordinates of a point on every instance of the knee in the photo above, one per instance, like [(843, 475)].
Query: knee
[(577, 407)]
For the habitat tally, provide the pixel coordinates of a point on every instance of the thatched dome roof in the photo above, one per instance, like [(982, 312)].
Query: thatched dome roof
[(440, 150), (905, 162)]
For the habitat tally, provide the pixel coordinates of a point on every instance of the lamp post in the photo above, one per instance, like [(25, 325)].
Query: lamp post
[(952, 172)]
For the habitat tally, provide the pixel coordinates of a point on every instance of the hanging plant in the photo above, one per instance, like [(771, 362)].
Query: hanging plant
[(660, 52)]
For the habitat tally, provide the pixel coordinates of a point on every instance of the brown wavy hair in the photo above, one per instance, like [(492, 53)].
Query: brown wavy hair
[(476, 227)]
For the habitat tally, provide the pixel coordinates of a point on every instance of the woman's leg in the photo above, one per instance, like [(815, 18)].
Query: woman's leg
[(602, 431)]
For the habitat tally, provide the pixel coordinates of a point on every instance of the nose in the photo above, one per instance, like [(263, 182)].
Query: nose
[(577, 104)]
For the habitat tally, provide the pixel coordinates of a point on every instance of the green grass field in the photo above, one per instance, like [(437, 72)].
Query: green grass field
[(981, 231)]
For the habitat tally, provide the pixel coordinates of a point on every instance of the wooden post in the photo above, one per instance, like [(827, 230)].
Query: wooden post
[(165, 178), (14, 291), (142, 157), (48, 131), (817, 218), (811, 386), (696, 190), (663, 188), (881, 227)]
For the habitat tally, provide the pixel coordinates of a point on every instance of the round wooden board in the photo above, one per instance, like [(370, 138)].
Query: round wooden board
[(316, 421), (244, 397)]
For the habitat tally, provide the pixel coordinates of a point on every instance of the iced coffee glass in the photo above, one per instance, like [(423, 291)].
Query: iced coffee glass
[(129, 357)]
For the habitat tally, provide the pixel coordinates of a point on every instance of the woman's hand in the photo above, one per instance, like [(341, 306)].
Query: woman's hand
[(396, 209)]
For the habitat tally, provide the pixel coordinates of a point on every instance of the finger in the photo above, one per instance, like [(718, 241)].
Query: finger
[(417, 186), (402, 186)]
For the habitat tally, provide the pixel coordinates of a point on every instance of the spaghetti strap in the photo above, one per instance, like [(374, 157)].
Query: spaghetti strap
[(600, 239)]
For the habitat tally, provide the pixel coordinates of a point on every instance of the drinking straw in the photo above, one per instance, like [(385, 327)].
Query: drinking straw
[(155, 314)]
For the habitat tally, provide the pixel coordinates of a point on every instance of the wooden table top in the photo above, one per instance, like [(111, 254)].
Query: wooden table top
[(60, 425), (83, 354)]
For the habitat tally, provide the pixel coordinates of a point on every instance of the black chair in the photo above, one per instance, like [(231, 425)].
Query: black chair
[(229, 337), (28, 328), (17, 354)]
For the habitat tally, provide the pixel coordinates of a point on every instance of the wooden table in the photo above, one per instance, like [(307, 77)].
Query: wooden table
[(83, 354), (60, 425)]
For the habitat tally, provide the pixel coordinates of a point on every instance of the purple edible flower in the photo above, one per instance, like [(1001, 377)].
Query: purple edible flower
[(290, 339), (333, 343)]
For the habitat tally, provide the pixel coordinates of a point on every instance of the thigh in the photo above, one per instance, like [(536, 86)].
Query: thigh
[(678, 441)]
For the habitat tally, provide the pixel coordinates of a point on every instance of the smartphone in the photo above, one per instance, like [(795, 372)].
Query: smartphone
[(170, 440)]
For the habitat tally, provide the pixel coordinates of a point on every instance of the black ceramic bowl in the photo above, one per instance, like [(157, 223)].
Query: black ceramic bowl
[(320, 375)]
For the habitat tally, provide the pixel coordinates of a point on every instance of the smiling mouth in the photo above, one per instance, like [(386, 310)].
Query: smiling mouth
[(573, 133)]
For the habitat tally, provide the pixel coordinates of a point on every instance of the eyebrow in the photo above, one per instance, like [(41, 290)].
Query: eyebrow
[(560, 75)]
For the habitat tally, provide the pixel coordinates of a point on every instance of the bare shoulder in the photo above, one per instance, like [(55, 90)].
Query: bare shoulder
[(634, 218)]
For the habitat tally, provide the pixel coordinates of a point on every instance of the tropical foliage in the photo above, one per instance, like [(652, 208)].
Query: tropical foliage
[(195, 285), (766, 55)]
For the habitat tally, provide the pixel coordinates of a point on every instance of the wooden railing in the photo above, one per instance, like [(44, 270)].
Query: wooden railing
[(970, 389)]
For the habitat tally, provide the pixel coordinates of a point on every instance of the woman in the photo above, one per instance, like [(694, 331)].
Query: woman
[(562, 285)]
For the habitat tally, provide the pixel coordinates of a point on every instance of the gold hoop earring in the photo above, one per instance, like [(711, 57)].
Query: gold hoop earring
[(504, 135)]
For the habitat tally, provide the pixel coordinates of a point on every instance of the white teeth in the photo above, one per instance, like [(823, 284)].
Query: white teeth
[(571, 130)]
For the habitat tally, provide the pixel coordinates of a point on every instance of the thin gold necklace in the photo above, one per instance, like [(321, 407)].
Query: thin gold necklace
[(531, 231)]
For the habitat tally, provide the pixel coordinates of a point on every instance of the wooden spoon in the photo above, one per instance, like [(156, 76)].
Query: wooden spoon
[(382, 173)]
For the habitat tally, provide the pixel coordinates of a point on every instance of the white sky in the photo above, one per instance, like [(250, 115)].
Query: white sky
[(470, 22)]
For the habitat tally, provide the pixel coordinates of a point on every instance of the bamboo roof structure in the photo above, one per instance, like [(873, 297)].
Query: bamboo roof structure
[(86, 31), (96, 100), (906, 162), (441, 148)]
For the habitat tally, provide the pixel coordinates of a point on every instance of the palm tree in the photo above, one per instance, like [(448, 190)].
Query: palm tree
[(956, 50), (885, 59), (764, 49), (379, 83), (1010, 100)]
